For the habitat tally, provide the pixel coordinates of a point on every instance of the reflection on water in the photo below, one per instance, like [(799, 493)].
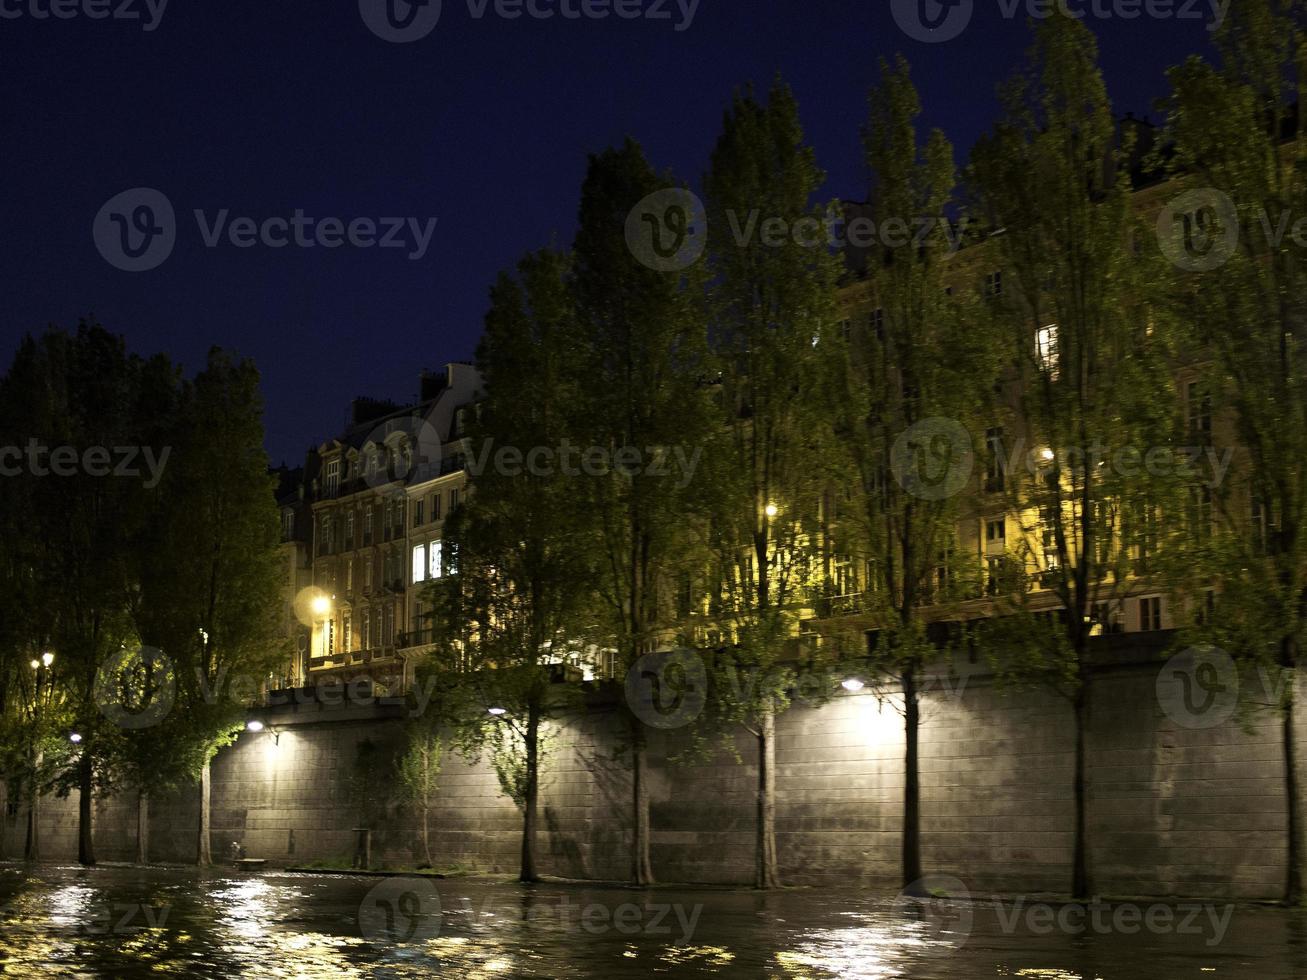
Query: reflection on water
[(61, 921)]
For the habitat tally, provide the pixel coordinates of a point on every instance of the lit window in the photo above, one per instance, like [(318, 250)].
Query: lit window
[(436, 559), (419, 564), (1046, 349)]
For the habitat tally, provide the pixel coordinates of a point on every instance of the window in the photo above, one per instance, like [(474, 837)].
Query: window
[(376, 629), (364, 634), (419, 564), (996, 531), (1046, 351), (846, 329), (328, 637), (388, 628), (1150, 614), (349, 530), (367, 574), (993, 576), (997, 468), (1200, 511), (435, 506), (994, 283), (1198, 411), (349, 575), (1048, 537), (346, 633), (453, 500), (435, 555), (1106, 618), (324, 535), (367, 524), (419, 512), (331, 482), (287, 524)]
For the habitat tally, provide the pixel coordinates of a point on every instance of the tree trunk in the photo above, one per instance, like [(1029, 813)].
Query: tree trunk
[(85, 810), (641, 867), (1293, 894), (1080, 882), (203, 848), (32, 849), (911, 783), (142, 827), (426, 832), (768, 874), (529, 800)]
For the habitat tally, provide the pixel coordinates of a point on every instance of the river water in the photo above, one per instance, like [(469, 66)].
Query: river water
[(113, 921)]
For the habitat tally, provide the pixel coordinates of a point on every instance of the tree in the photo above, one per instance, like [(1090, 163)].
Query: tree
[(918, 376), (1086, 378), (1239, 289), (637, 371), (211, 578), (770, 297), (70, 400), (419, 774), (519, 591)]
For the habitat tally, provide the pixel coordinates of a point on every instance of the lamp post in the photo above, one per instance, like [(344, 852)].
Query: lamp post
[(41, 685)]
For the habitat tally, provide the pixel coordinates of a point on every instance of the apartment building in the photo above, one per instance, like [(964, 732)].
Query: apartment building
[(377, 496)]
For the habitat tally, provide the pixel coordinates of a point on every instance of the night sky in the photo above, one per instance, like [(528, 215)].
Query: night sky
[(485, 124)]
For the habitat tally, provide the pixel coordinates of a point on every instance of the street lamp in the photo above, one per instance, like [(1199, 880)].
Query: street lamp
[(852, 684), (321, 606), (498, 711), (47, 658), (254, 725), (772, 510), (75, 738)]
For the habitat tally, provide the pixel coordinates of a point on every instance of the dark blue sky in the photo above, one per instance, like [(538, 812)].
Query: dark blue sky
[(262, 108)]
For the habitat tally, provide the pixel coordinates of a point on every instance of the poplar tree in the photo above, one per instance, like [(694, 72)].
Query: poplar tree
[(772, 278), (1085, 377), (1239, 285), (638, 379)]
